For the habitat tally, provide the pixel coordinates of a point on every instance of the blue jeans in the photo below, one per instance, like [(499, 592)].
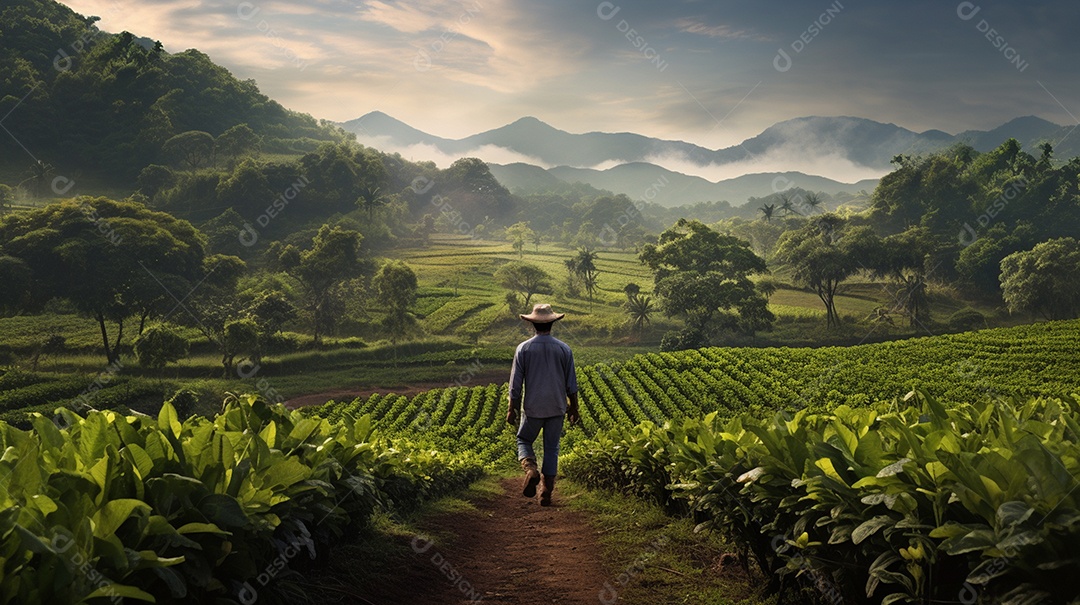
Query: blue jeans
[(528, 431)]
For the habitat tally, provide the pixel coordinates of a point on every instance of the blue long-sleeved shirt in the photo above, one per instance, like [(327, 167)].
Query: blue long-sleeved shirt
[(544, 368)]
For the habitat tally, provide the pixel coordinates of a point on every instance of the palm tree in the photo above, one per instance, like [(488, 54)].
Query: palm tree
[(370, 199), (813, 201), (640, 308), (585, 266), (767, 211), (787, 205), (39, 173)]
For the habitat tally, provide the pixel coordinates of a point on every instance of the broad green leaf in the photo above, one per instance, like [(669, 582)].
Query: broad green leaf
[(113, 514), (870, 527)]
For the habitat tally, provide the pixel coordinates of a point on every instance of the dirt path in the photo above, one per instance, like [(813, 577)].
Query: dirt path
[(512, 551)]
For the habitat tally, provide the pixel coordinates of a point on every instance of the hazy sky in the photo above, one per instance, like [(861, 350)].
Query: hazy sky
[(709, 72)]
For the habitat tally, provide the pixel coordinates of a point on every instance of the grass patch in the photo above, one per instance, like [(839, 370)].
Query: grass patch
[(654, 558)]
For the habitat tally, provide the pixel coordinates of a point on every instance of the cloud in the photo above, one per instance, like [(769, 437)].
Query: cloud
[(792, 158), (697, 27), (491, 154)]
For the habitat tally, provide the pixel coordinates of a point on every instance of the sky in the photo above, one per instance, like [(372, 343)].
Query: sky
[(709, 72)]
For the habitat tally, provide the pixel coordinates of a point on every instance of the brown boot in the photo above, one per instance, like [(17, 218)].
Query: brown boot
[(545, 492), (532, 477)]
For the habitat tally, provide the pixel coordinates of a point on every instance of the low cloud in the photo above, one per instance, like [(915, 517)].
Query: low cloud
[(422, 152), (788, 158)]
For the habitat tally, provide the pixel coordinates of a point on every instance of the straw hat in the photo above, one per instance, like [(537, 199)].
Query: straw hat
[(542, 314)]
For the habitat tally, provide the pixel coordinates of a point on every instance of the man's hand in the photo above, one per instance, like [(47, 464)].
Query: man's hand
[(511, 417), (573, 416)]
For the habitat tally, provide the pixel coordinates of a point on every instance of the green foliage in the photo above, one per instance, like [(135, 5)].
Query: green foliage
[(109, 259), (1045, 280), (160, 345), (920, 502), (525, 279), (395, 285), (824, 253), (701, 274), (147, 508)]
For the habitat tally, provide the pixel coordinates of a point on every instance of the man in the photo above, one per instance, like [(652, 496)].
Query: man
[(544, 367)]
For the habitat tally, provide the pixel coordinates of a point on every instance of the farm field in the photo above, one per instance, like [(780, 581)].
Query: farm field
[(1034, 360)]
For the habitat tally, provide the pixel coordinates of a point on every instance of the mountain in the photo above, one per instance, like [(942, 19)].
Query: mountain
[(829, 146), (858, 140), (644, 181)]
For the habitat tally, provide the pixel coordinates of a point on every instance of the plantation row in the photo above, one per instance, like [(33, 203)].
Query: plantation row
[(112, 507), (1025, 361), (974, 503)]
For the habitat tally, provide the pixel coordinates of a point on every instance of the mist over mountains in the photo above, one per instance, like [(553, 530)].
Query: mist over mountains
[(827, 154)]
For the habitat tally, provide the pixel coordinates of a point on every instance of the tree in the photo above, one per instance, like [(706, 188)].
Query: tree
[(332, 260), (40, 172), (813, 201), (160, 345), (193, 148), (902, 258), (525, 279), (395, 284), (584, 266), (823, 254), (787, 205), (768, 211), (640, 308), (1044, 280), (370, 200), (537, 239), (701, 274), (110, 259), (239, 337), (238, 141), (7, 196), (271, 310), (517, 234)]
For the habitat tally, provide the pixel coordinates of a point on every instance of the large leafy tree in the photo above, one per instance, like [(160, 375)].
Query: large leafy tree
[(1044, 280), (525, 279), (824, 253), (109, 258), (333, 259), (700, 274), (395, 284), (902, 258)]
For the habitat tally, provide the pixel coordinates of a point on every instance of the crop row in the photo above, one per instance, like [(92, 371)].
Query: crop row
[(133, 508), (916, 503)]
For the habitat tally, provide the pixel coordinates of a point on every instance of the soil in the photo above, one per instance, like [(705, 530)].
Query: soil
[(493, 376), (511, 551)]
